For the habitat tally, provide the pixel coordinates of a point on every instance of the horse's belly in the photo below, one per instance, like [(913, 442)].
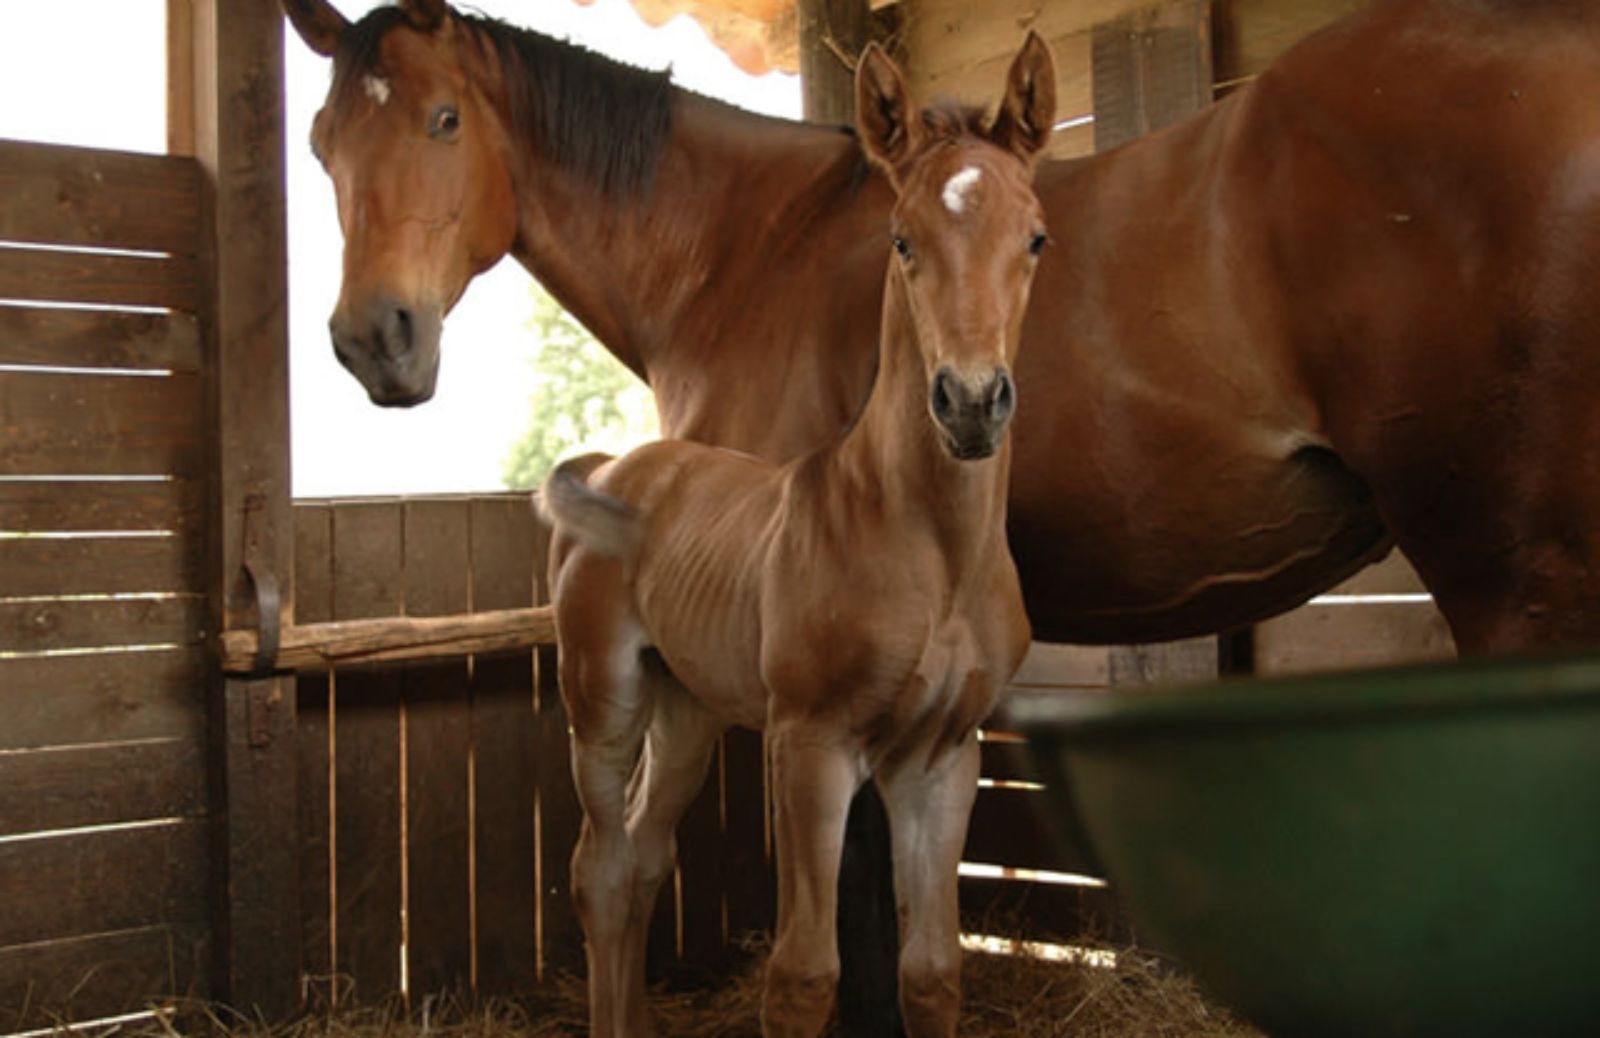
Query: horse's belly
[(1193, 536)]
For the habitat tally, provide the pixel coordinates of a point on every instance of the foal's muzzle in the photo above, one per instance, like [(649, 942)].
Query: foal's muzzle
[(972, 412), (393, 350)]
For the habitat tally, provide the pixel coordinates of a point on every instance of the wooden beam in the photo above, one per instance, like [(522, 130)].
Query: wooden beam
[(238, 140), (832, 35), (314, 647)]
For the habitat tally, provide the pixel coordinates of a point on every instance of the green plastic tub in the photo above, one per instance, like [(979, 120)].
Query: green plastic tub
[(1410, 852)]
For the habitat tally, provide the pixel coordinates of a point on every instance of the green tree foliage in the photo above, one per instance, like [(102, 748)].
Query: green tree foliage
[(584, 399)]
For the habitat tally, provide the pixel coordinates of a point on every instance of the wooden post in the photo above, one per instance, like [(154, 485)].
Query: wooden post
[(237, 137), (832, 34)]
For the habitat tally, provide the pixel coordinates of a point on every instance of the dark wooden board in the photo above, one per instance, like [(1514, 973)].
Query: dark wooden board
[(99, 338), (511, 762), (99, 785), (438, 725), (99, 976), (61, 424), (367, 581), (109, 504), (55, 624), (103, 278), (80, 196), (313, 590), (101, 880), (1012, 827), (102, 697), (99, 565)]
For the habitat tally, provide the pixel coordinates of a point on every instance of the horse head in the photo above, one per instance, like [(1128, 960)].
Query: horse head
[(967, 231), (419, 156)]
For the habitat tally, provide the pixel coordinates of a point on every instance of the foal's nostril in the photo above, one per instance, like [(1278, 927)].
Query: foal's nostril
[(1002, 398), (944, 403)]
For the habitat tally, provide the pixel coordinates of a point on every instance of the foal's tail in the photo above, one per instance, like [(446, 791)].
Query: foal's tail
[(595, 519)]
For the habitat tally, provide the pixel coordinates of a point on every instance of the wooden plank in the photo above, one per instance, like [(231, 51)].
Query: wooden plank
[(58, 424), (313, 589), (1251, 34), (181, 80), (95, 504), (1063, 666), (80, 196), (1337, 637), (94, 881), (1393, 575), (47, 984), (751, 892), (367, 581), (53, 625), (395, 639), (110, 279), (1013, 828), (514, 761), (34, 565), (99, 339), (69, 788), (102, 697), (830, 30), (438, 741), (962, 50)]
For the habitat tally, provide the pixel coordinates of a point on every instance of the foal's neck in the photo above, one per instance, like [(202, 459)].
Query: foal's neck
[(894, 456)]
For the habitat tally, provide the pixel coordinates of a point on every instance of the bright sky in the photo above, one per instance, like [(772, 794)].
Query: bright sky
[(107, 89)]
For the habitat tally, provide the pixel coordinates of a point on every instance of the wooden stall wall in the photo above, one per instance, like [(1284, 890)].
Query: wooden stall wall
[(103, 615)]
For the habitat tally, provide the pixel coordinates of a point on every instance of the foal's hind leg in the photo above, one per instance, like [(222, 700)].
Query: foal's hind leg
[(608, 707), (930, 797)]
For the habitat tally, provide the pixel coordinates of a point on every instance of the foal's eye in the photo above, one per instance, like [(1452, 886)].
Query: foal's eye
[(444, 122), (901, 246), (1037, 243)]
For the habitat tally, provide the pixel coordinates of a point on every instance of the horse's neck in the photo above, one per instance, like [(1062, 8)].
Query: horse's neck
[(730, 197), (893, 455)]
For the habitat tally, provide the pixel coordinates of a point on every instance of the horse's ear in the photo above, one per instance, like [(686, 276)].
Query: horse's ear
[(318, 23), (1028, 112), (426, 15), (884, 116)]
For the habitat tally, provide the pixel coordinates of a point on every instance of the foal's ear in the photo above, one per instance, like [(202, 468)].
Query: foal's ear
[(318, 23), (426, 15), (1028, 113), (884, 116)]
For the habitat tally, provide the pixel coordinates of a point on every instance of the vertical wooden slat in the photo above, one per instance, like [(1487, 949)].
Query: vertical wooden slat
[(508, 759), (438, 744), (238, 141), (180, 77), (368, 580), (830, 32), (313, 583)]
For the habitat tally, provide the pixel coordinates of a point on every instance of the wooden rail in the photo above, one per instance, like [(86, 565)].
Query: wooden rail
[(316, 647)]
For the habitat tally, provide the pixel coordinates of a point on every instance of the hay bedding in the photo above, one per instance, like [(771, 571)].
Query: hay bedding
[(1005, 997)]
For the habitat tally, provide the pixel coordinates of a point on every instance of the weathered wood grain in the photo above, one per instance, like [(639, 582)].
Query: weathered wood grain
[(88, 425), (102, 697), (100, 504), (54, 625), (101, 784), (80, 196), (99, 338)]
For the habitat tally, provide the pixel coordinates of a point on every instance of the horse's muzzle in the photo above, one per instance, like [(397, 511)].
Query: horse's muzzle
[(972, 412), (391, 349)]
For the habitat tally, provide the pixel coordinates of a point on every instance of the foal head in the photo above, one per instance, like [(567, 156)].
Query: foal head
[(419, 160), (967, 231)]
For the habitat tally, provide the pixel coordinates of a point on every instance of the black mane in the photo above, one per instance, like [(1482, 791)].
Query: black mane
[(597, 118)]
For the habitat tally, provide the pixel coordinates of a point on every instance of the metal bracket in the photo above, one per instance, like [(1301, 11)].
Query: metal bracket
[(262, 585)]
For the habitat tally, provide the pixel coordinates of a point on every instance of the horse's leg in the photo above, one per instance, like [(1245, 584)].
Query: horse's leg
[(608, 707), (815, 772), (677, 750), (929, 802)]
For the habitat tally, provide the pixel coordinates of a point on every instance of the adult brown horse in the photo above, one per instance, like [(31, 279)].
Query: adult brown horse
[(1351, 304), (859, 603)]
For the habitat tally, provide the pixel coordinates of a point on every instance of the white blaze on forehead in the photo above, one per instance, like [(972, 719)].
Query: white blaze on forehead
[(958, 187), (377, 89)]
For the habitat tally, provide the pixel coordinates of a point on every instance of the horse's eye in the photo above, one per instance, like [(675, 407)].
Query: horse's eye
[(901, 246), (444, 122), (1037, 243)]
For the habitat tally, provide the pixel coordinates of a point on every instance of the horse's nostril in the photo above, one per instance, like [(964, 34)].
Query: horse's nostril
[(1005, 397), (944, 404)]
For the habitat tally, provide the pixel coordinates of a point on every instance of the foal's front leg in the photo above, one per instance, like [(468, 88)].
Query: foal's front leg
[(815, 772), (929, 792)]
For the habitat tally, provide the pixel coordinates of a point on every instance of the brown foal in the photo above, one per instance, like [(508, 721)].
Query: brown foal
[(859, 604)]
